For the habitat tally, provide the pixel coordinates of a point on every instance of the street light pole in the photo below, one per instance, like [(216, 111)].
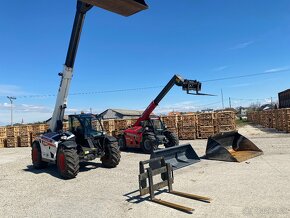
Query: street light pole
[(11, 104)]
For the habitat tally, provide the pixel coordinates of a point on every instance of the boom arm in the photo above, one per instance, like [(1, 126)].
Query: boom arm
[(67, 73), (122, 7), (187, 85)]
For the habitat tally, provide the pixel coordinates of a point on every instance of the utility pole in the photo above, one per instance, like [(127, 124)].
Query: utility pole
[(11, 104), (222, 98), (230, 103)]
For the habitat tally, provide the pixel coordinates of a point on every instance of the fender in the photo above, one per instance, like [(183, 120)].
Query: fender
[(148, 133), (110, 138), (70, 143)]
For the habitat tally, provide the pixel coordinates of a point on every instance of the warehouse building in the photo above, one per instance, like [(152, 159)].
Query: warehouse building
[(120, 114), (284, 99)]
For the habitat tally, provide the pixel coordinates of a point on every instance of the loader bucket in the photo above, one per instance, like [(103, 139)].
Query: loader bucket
[(230, 146), (178, 156)]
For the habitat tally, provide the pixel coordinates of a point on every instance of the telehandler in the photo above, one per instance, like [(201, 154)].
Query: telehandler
[(148, 133), (82, 142)]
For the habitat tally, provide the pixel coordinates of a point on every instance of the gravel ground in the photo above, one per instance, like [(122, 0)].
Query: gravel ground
[(258, 187)]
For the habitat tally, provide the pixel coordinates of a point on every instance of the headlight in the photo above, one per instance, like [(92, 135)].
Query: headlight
[(63, 137)]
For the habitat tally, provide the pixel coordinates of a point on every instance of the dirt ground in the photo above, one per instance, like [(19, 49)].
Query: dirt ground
[(258, 187)]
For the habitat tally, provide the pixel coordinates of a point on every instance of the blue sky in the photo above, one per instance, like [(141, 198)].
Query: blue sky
[(198, 39)]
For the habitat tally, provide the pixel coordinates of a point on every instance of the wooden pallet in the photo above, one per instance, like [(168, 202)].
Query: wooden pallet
[(12, 142), (2, 132), (12, 131), (170, 121), (3, 142)]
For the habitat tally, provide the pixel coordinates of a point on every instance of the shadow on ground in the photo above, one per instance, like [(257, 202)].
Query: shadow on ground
[(52, 169), (136, 199), (133, 150), (268, 130)]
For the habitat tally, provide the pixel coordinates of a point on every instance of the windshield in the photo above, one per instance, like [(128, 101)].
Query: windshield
[(157, 124), (85, 125)]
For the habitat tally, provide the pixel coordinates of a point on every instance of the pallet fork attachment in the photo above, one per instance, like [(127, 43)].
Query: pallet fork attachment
[(230, 146), (167, 176)]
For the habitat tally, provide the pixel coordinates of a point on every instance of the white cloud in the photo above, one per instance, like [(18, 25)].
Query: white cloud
[(11, 90), (242, 45), (221, 68), (184, 106), (277, 70)]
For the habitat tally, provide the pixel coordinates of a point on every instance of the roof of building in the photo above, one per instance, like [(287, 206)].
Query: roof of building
[(125, 112)]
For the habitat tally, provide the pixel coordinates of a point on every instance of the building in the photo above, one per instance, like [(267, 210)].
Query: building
[(284, 99), (120, 114)]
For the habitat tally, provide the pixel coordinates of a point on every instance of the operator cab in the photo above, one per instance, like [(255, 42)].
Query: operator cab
[(154, 124), (85, 125)]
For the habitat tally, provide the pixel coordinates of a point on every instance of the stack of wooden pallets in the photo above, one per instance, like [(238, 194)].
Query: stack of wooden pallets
[(171, 123), (187, 127), (25, 136), (225, 121), (277, 118), (3, 139), (205, 125), (109, 126), (12, 133), (38, 129)]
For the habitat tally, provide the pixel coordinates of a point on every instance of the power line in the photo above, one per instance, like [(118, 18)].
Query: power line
[(147, 88), (244, 76), (253, 99), (89, 93)]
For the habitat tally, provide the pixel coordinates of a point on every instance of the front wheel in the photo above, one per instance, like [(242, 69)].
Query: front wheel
[(172, 139), (37, 161), (68, 163), (112, 155), (148, 144)]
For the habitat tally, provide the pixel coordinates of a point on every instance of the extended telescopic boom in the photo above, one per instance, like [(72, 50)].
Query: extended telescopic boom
[(122, 7), (187, 85), (66, 75)]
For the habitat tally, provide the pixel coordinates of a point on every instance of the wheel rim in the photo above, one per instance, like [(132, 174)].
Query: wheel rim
[(61, 162), (147, 145), (35, 154)]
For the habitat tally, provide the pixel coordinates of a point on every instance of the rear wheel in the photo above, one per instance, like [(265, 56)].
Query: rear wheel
[(148, 144), (122, 143), (112, 155), (172, 139), (36, 156), (68, 163)]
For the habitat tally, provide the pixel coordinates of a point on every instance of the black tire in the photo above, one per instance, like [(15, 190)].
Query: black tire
[(37, 161), (122, 143), (148, 144), (172, 138), (112, 155), (67, 162)]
